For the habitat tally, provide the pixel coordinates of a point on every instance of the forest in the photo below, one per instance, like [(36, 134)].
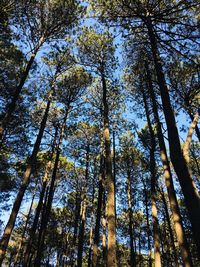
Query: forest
[(99, 133)]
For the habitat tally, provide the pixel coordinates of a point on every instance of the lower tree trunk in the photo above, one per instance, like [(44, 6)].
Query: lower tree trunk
[(76, 222), (91, 241), (83, 214), (81, 233), (104, 224), (148, 224)]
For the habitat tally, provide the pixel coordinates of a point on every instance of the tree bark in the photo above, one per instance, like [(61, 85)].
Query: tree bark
[(177, 219), (191, 195), (111, 253), (25, 182)]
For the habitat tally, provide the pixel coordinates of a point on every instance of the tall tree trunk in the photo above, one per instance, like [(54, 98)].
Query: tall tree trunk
[(130, 211), (191, 195), (39, 206), (99, 211), (46, 215), (25, 182), (83, 213), (12, 105), (155, 223), (177, 219), (111, 253)]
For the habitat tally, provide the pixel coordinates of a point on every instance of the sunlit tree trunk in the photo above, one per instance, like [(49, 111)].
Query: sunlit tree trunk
[(111, 253), (25, 182), (191, 195)]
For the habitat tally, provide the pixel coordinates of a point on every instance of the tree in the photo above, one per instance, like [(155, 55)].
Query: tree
[(101, 61)]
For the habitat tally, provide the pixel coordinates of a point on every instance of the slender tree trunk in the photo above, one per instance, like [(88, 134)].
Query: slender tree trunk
[(178, 225), (83, 214), (76, 222), (25, 182), (18, 255), (130, 211), (99, 211), (111, 253), (45, 218), (104, 224), (170, 228), (191, 195), (148, 224), (155, 223), (114, 173), (91, 240), (12, 105), (92, 219), (81, 233)]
